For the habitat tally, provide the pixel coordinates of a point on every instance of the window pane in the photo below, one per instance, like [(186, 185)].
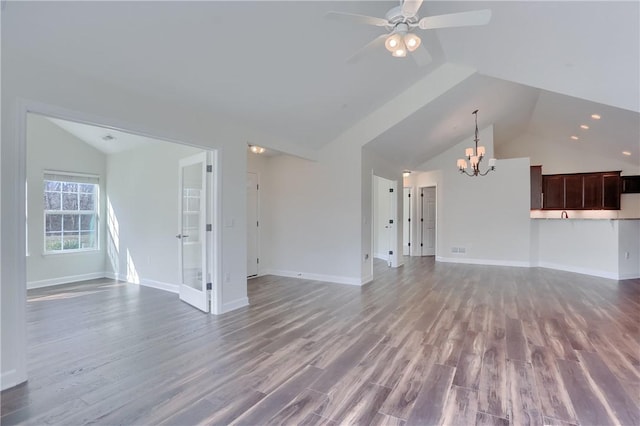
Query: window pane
[(51, 185), (70, 222), (52, 201), (87, 222), (87, 240), (69, 201), (70, 240), (53, 223), (87, 187), (86, 201), (53, 241), (69, 187)]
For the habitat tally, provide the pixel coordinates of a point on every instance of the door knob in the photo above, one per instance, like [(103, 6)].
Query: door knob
[(181, 236)]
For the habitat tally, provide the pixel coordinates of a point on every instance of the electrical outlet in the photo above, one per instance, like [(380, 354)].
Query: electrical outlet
[(626, 255)]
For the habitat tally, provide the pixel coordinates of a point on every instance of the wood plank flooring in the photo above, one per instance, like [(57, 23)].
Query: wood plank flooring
[(424, 344)]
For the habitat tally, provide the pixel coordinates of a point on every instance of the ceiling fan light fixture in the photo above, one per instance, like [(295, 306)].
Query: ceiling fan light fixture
[(393, 42), (412, 41)]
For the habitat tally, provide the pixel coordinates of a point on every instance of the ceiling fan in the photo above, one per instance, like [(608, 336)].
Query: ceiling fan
[(400, 22)]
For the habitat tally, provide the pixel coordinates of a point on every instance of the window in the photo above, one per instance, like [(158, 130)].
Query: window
[(71, 206)]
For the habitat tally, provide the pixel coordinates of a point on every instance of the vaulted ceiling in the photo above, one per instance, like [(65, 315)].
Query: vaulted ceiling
[(280, 66)]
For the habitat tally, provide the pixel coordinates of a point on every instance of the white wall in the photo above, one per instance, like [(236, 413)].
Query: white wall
[(51, 148), (142, 196), (629, 243), (314, 211), (566, 157), (583, 246), (70, 96), (487, 216)]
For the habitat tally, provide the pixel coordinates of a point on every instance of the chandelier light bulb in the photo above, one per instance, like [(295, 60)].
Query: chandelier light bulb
[(393, 42), (412, 41)]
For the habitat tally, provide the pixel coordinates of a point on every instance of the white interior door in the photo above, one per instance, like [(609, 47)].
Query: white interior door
[(428, 221), (406, 229), (252, 225), (194, 190)]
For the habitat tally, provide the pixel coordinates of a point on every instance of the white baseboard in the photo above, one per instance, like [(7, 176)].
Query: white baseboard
[(381, 256), (65, 280), (489, 262), (316, 277), (367, 279), (631, 276), (9, 379), (235, 304), (580, 270), (172, 288)]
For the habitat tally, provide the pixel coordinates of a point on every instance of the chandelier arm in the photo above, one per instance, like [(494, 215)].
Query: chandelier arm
[(467, 173), (488, 170)]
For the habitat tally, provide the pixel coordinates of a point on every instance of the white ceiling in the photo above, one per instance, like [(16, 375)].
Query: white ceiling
[(99, 137), (281, 66)]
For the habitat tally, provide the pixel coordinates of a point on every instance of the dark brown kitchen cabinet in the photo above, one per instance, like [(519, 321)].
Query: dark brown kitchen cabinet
[(582, 191), (553, 192), (611, 191), (592, 191), (573, 192)]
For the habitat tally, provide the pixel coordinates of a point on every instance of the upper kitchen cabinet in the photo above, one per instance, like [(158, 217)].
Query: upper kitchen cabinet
[(581, 191)]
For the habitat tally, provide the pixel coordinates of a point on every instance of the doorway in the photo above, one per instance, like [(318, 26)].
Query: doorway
[(384, 221), (406, 229), (137, 203), (428, 221), (253, 225)]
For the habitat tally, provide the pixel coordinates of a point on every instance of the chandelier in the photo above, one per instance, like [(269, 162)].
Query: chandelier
[(475, 157)]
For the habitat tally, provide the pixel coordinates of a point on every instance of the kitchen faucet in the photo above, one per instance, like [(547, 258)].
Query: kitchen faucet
[(564, 215)]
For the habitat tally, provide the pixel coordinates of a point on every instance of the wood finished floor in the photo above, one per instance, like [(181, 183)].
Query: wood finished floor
[(423, 344)]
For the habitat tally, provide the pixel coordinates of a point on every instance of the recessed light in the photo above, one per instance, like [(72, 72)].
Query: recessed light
[(584, 126), (595, 116), (108, 138), (626, 152), (574, 137)]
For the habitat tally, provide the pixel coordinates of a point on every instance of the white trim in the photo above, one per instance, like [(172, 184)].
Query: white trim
[(65, 280), (337, 279), (171, 288), (631, 276), (580, 270), (10, 378), (488, 262), (235, 304), (366, 280)]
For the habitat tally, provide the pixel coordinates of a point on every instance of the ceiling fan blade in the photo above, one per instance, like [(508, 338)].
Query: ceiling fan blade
[(374, 44), (359, 19), (462, 19), (410, 8), (421, 56)]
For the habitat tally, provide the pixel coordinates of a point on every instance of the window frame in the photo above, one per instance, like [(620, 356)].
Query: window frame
[(78, 179)]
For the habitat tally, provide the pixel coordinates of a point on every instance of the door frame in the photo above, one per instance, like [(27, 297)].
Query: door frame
[(435, 242)]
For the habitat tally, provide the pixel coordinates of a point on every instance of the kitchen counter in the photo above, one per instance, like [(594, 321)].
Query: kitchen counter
[(604, 247)]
